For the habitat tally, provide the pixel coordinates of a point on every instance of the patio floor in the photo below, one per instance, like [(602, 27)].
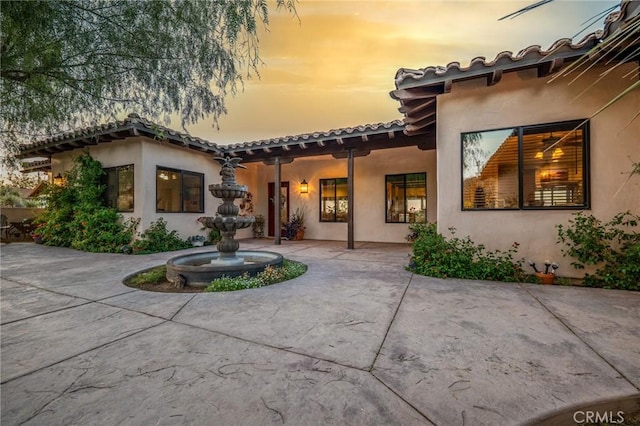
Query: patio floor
[(355, 340)]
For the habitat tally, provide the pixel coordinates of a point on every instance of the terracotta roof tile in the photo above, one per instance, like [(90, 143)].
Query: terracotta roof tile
[(130, 126), (563, 47)]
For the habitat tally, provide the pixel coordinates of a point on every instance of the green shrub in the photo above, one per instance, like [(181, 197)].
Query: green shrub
[(435, 256), (76, 216), (157, 238), (614, 246), (270, 275), (152, 276), (101, 231)]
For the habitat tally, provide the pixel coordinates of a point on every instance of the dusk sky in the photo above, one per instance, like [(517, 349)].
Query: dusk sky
[(335, 66)]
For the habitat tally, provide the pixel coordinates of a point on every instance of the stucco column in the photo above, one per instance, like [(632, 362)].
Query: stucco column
[(350, 203), (277, 208)]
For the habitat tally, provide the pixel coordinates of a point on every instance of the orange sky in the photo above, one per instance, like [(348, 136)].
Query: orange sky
[(334, 67)]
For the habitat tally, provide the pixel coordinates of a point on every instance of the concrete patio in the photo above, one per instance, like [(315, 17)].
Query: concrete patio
[(356, 340)]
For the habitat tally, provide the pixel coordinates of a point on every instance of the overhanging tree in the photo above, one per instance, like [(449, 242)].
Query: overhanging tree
[(71, 63)]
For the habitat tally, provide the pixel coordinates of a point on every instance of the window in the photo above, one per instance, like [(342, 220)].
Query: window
[(179, 191), (406, 198), (334, 200), (118, 193), (528, 167)]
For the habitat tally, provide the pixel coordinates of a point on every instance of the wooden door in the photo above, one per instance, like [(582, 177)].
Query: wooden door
[(284, 201)]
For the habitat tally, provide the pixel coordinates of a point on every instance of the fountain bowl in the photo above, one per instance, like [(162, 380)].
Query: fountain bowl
[(196, 269)]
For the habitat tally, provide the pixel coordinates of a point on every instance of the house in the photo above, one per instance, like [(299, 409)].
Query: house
[(519, 152), (155, 172), (494, 149)]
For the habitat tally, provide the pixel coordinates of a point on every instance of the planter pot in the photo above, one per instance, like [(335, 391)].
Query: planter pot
[(37, 239), (299, 235), (545, 278), (197, 243)]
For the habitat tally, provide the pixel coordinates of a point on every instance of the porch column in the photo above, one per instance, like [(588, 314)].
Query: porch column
[(276, 202), (350, 203)]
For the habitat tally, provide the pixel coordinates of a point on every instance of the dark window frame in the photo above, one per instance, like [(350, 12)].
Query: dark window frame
[(405, 221), (545, 127), (105, 181), (335, 200), (182, 189)]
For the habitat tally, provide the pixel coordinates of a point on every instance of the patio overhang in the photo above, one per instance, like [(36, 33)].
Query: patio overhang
[(35, 166), (359, 140)]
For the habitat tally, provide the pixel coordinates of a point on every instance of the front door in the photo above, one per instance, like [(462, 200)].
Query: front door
[(284, 202)]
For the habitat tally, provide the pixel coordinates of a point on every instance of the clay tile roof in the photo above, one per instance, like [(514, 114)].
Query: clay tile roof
[(362, 130), (361, 138), (417, 90), (131, 126), (529, 57)]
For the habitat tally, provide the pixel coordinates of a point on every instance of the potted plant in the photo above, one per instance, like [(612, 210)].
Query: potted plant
[(196, 240), (294, 228), (258, 227), (549, 274)]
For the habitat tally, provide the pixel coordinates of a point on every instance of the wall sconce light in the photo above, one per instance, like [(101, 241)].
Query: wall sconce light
[(304, 187), (58, 180)]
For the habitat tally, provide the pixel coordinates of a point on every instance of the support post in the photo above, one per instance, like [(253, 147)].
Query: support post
[(277, 208), (351, 203)]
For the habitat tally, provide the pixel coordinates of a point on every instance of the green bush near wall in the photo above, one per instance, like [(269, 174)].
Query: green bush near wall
[(613, 246), (436, 256), (76, 216), (157, 238)]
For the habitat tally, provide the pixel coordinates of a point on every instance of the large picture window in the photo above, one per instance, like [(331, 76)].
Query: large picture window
[(406, 196), (334, 201), (179, 191), (527, 167), (118, 193)]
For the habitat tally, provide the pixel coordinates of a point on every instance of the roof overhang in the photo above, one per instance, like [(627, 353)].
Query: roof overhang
[(35, 166), (361, 139), (417, 90), (132, 126)]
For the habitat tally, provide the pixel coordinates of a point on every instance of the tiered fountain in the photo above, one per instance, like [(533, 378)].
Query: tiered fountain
[(199, 269)]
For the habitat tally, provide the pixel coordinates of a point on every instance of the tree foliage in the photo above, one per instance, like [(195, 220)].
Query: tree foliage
[(71, 63)]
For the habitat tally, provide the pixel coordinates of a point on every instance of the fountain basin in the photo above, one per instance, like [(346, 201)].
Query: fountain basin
[(222, 223), (228, 191), (196, 270)]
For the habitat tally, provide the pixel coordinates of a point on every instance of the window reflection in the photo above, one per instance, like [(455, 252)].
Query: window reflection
[(406, 197), (548, 161), (179, 191), (334, 200), (119, 188)]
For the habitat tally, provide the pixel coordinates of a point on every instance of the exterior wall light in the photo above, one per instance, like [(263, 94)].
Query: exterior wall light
[(304, 187), (58, 180)]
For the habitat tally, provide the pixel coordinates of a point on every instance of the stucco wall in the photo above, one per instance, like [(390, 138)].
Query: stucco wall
[(369, 188), (522, 99), (145, 155)]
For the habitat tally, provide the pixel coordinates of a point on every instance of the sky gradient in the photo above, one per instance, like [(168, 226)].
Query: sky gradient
[(334, 66)]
